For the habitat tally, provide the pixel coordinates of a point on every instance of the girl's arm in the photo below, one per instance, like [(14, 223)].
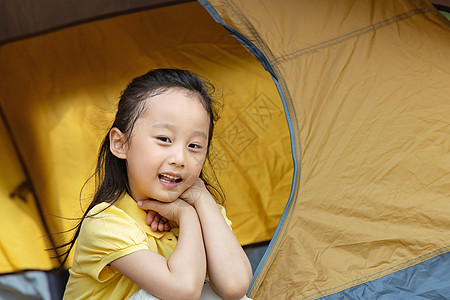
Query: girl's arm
[(183, 274), (228, 267)]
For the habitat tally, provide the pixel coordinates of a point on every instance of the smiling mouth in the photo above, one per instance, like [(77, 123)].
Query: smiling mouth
[(169, 178)]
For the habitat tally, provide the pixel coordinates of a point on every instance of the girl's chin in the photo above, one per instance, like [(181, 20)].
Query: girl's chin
[(170, 197)]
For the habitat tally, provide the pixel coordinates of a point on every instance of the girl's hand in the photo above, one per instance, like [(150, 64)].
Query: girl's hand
[(193, 194), (170, 211), (158, 222)]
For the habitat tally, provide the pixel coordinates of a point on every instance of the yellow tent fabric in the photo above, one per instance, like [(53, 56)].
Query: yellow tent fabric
[(23, 239), (365, 92), (367, 88), (59, 96)]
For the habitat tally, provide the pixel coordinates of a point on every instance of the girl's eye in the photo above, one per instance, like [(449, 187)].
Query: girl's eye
[(195, 146), (164, 139)]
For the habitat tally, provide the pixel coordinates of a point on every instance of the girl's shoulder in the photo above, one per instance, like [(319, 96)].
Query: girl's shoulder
[(108, 225), (102, 207), (112, 209), (107, 213), (124, 213)]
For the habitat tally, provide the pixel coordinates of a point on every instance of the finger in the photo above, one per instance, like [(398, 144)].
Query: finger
[(156, 218), (171, 225), (155, 223), (162, 224), (154, 226), (151, 205), (150, 216)]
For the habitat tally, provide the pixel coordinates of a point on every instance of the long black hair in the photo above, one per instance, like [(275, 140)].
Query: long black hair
[(111, 179)]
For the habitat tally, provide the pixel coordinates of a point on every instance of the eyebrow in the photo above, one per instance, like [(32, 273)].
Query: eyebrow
[(172, 127), (163, 125), (201, 133)]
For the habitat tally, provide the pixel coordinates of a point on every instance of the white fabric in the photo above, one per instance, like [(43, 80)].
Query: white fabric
[(207, 294), (25, 285)]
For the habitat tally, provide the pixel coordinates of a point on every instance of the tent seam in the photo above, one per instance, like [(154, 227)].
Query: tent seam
[(286, 217), (102, 16), (420, 259), (29, 180), (347, 36), (260, 43), (433, 10)]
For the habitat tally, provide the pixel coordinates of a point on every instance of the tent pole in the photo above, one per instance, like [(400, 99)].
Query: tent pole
[(28, 184)]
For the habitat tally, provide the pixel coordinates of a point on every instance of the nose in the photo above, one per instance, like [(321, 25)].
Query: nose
[(177, 157)]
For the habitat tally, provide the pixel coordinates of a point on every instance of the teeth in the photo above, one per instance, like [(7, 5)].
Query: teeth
[(170, 176)]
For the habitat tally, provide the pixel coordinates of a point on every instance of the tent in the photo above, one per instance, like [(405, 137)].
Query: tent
[(59, 89), (333, 138)]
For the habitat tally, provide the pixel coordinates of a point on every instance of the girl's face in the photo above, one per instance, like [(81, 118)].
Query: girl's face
[(168, 145)]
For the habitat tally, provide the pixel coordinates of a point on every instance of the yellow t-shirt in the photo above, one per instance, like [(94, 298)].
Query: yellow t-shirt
[(113, 232)]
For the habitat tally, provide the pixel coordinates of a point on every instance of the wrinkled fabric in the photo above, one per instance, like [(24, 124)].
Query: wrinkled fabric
[(427, 280), (365, 85)]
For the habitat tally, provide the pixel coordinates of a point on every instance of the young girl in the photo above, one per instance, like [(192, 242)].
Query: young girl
[(150, 167)]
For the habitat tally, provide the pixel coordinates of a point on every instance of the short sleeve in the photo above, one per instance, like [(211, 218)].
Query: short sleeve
[(105, 237)]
